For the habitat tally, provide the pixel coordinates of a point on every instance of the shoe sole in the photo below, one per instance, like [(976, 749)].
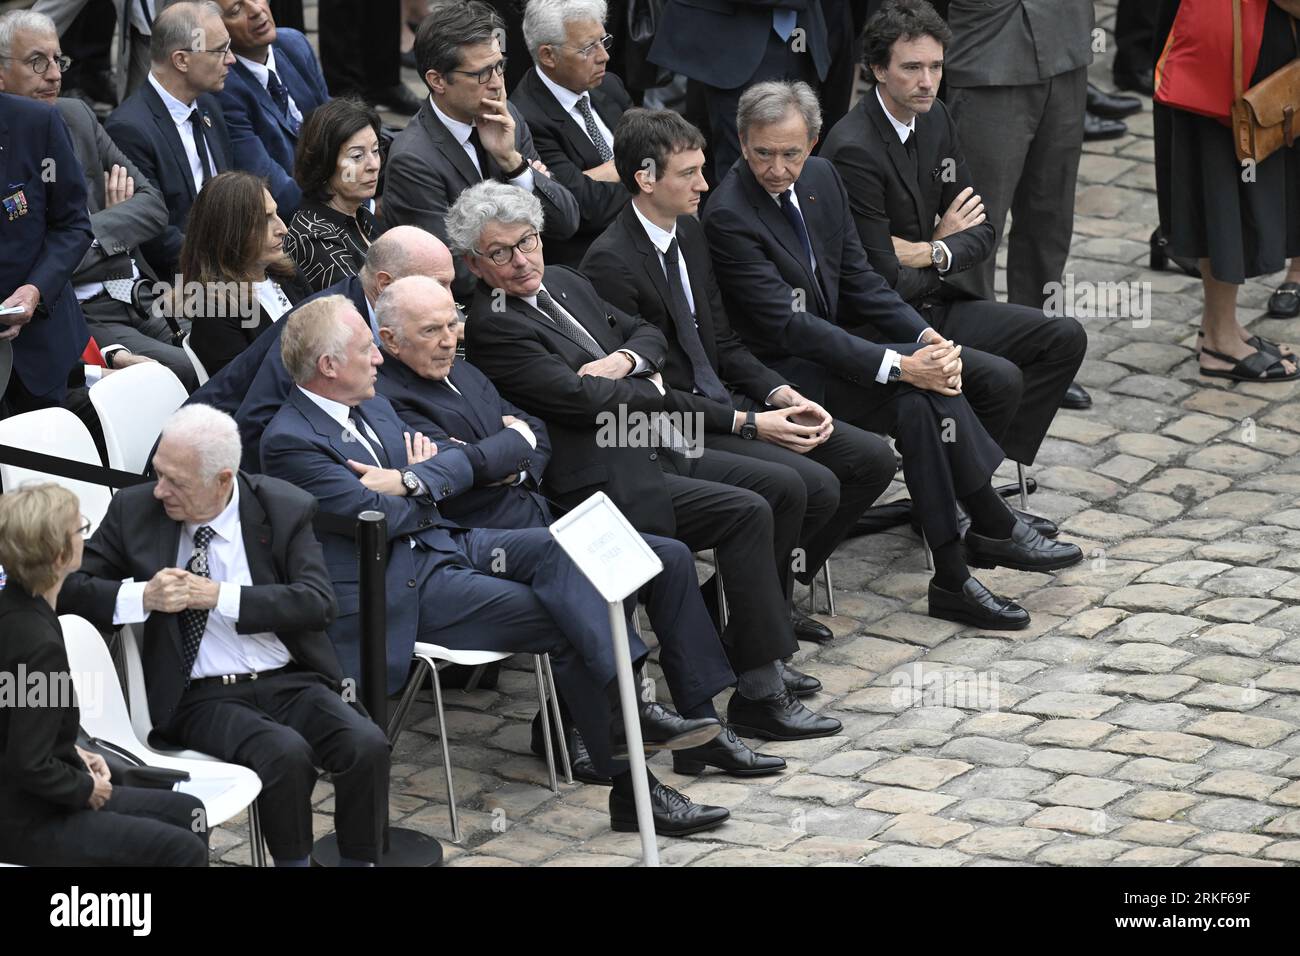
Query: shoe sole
[(682, 742), (959, 617), (620, 826), (987, 563), (804, 693), (743, 730), (695, 769)]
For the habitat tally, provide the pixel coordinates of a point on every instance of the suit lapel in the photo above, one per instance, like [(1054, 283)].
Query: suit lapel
[(263, 97), (465, 405), (575, 132), (556, 286), (898, 152), (649, 255), (693, 255), (257, 534), (447, 145), (771, 216), (167, 128)]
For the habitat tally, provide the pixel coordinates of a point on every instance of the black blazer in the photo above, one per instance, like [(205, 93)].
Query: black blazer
[(566, 150), (494, 450), (143, 129), (769, 289), (534, 365), (627, 271), (291, 594), (42, 773), (889, 199), (218, 339)]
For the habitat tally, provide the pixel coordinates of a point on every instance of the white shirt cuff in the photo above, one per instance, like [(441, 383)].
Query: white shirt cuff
[(228, 601), (888, 362), (768, 401), (93, 374), (641, 364), (129, 608), (524, 180), (523, 429), (947, 254)]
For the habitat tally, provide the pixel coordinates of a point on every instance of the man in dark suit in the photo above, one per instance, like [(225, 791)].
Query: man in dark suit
[(803, 296), (508, 590), (224, 573), (44, 233), (273, 86), (172, 127), (572, 105), (901, 162), (591, 372), (465, 132), (653, 262)]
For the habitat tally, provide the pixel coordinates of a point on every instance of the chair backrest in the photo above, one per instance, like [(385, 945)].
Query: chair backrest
[(197, 362), (136, 695), (133, 404), (58, 432), (99, 692)]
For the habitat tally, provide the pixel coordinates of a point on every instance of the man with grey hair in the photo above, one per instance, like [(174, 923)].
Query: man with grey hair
[(172, 127), (572, 104), (222, 573)]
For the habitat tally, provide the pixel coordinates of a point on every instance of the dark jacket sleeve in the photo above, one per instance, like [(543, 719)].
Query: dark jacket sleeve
[(559, 208), (970, 246), (67, 224), (492, 458), (91, 590), (250, 153)]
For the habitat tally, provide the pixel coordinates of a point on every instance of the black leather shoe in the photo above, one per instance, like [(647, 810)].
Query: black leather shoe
[(398, 98), (663, 729), (729, 754), (1076, 397), (977, 606), (799, 683), (1161, 257), (1025, 550), (674, 814), (809, 629), (778, 718), (580, 764), (1284, 303), (1111, 106), (1095, 128), (1137, 81), (1044, 526)]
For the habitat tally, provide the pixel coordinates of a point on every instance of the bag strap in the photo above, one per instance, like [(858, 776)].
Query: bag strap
[(1238, 81)]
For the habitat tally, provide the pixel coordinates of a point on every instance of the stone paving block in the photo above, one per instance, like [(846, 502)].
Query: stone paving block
[(903, 800), (1149, 507), (1281, 679), (1154, 833), (1149, 686), (827, 790), (1064, 760), (1230, 813), (1081, 852), (1077, 481), (1232, 862), (1229, 459), (747, 833), (1237, 609), (1234, 844), (1244, 696), (993, 810), (1072, 819), (901, 855), (1226, 669), (1187, 483), (901, 740), (920, 829), (1093, 621), (1156, 447), (1188, 574), (1196, 428), (1288, 796), (915, 629), (1244, 552), (1231, 757), (1223, 403), (526, 845), (1080, 791), (1145, 658), (1105, 526), (1156, 597), (1008, 843), (1156, 804), (1241, 729), (847, 763), (1288, 824), (1007, 783), (921, 773), (1240, 783), (1158, 772), (1202, 529), (1069, 732), (1058, 704), (1288, 851), (985, 751), (999, 725), (1126, 468), (1249, 582), (1154, 856), (871, 653), (1170, 745), (1152, 549), (1246, 639), (929, 718), (1154, 627)]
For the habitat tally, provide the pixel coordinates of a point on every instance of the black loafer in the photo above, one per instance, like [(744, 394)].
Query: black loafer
[(1284, 303), (728, 753), (663, 729), (1025, 550), (1095, 128), (797, 682), (397, 98), (1076, 397), (1044, 526), (778, 718), (977, 606), (809, 629), (674, 814), (580, 765), (1111, 105)]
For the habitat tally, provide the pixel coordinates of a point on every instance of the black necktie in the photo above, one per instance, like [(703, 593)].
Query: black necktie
[(593, 131), (910, 145), (688, 334), (201, 145), (479, 152), (194, 621), (795, 218), (280, 94), (363, 427), (567, 325)]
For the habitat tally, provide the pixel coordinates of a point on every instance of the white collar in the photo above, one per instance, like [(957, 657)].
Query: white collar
[(260, 70), (335, 410), (899, 128), (180, 112), (457, 129), (563, 95), (226, 524), (658, 237)]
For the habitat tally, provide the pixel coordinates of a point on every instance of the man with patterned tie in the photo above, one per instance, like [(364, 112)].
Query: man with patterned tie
[(221, 574)]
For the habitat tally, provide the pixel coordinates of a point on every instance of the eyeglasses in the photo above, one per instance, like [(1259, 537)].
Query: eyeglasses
[(589, 50), (40, 62), (220, 51), (485, 74), (504, 254)]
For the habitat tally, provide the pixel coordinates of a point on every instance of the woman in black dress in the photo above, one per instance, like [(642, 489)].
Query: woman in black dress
[(1236, 229), (58, 805), (337, 166)]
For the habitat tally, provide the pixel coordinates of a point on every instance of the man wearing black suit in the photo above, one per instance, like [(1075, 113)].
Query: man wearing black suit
[(572, 105), (172, 127), (591, 372), (902, 165), (465, 132), (653, 262), (803, 296), (223, 571)]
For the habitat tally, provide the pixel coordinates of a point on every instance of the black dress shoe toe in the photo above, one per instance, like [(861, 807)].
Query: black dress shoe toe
[(398, 98), (809, 629), (1024, 550), (799, 683), (663, 729), (1095, 128), (728, 753), (674, 813), (977, 606), (1044, 526), (1076, 396), (778, 718), (1111, 106)]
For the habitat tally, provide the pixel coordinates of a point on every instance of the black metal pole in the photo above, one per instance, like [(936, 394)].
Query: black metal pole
[(372, 558)]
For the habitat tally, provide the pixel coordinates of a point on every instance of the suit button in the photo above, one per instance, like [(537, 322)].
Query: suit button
[(426, 523), (446, 490), (654, 456), (528, 462), (411, 583)]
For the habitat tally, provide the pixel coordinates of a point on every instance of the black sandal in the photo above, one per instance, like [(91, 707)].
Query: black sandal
[(1255, 367), (1285, 302), (1260, 343)]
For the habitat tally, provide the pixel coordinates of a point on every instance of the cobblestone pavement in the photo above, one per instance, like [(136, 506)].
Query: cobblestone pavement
[(1150, 716)]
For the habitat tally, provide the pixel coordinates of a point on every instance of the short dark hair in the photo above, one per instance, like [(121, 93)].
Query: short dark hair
[(652, 135), (328, 127), (900, 20), (449, 26)]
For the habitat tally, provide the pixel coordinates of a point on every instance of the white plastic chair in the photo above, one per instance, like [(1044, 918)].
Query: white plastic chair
[(133, 403), (58, 432), (199, 370), (226, 789)]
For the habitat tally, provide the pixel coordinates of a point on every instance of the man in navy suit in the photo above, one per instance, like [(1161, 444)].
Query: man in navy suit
[(172, 127), (44, 233), (507, 590), (274, 84)]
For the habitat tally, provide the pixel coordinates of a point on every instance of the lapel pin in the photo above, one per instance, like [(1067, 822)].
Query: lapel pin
[(207, 121)]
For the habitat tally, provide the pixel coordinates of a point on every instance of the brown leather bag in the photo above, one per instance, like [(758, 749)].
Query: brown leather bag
[(1264, 117)]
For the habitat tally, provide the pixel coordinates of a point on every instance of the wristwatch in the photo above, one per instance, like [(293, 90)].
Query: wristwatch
[(749, 430), (936, 254), (896, 370), (410, 482), (519, 170)]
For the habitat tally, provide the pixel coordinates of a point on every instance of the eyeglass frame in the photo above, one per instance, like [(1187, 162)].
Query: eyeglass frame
[(222, 51), (510, 250), (484, 76), (63, 61), (586, 52)]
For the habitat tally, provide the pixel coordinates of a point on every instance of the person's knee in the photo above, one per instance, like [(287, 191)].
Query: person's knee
[(1070, 335), (288, 757)]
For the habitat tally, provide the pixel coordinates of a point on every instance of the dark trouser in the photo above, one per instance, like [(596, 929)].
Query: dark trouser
[(115, 323), (283, 727), (1135, 34), (138, 826), (522, 593), (359, 44), (1023, 145), (17, 399), (1047, 352)]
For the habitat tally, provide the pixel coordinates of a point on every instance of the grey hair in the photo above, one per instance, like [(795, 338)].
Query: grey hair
[(769, 102), (544, 20), (28, 20), (211, 433), (389, 311), (489, 201), (177, 26), (311, 331)]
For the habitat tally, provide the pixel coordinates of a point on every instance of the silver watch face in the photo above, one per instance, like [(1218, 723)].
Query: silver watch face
[(409, 479)]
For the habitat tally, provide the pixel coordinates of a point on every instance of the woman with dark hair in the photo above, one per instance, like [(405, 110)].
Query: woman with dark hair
[(59, 805), (337, 167), (237, 279)]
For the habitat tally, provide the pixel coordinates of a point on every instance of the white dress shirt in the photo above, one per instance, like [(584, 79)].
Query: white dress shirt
[(461, 133), (223, 649), (180, 114), (568, 101), (903, 132), (344, 416), (261, 71), (639, 366)]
